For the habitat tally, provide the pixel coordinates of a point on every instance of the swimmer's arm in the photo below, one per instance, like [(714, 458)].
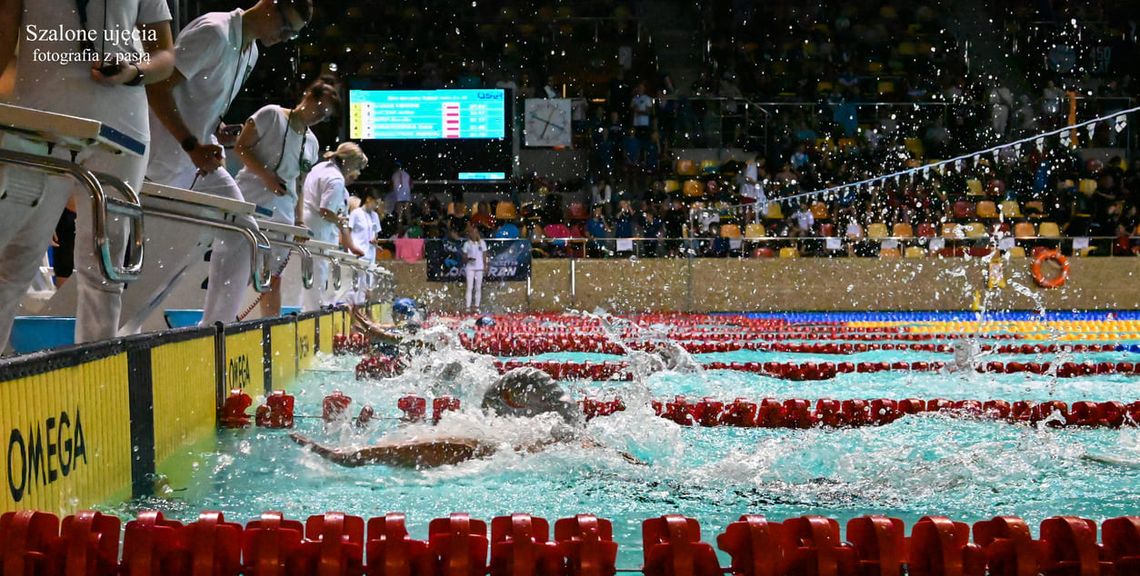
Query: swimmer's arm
[(375, 330), (410, 454), (11, 14)]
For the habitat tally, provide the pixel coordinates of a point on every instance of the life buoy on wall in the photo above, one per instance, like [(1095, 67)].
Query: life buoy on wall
[(1056, 281)]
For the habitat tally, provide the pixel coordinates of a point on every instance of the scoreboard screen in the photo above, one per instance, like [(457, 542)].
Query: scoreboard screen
[(427, 114), (450, 136)]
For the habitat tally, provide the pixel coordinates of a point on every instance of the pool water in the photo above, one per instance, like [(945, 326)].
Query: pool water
[(929, 464)]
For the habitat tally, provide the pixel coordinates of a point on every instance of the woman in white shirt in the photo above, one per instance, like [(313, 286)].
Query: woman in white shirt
[(277, 149), (326, 210), (475, 261)]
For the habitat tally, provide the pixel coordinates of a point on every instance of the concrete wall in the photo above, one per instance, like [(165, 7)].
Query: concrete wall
[(705, 285)]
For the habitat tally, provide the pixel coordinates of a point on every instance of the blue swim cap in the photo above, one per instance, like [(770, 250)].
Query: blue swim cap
[(404, 306), (485, 321)]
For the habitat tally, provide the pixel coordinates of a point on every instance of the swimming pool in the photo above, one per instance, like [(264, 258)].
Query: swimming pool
[(965, 468)]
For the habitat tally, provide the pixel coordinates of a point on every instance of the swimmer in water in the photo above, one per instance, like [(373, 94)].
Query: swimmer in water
[(965, 352), (520, 393), (407, 322)]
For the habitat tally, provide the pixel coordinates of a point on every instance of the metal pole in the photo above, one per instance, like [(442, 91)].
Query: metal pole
[(689, 281)]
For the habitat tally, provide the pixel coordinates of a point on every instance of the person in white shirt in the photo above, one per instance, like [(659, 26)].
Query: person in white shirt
[(474, 262), (364, 224), (804, 221), (32, 202), (326, 207), (642, 107), (601, 194), (401, 190), (215, 54), (752, 189), (277, 149)]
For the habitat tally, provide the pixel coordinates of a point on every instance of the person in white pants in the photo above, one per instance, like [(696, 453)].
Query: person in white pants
[(215, 54), (277, 150), (32, 202), (475, 261), (326, 207)]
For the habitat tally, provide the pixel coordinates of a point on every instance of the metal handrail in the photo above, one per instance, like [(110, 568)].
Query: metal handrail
[(284, 239), (261, 269), (130, 208)]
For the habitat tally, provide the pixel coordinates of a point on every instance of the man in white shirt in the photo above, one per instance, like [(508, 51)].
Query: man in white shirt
[(215, 54), (752, 189), (31, 202), (642, 106), (364, 225), (401, 190)]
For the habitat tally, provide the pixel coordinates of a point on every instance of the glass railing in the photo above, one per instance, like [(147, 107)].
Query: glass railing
[(511, 251)]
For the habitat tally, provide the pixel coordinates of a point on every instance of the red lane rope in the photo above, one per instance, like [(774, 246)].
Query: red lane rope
[(804, 371), (277, 412), (338, 544)]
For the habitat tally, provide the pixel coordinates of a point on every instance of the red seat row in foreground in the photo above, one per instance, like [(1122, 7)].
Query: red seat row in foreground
[(87, 544)]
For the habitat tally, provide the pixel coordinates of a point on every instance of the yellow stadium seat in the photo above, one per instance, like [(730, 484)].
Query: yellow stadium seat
[(1017, 252), (874, 67), (1024, 231), (505, 210), (914, 146), (975, 230), (693, 189), (684, 167), (729, 231), (755, 231), (907, 49), (1087, 186), (1049, 230), (774, 212), (457, 209), (902, 230), (789, 252), (974, 188), (877, 231), (709, 166), (952, 231), (987, 210), (1038, 207), (886, 87), (889, 253), (914, 252), (384, 254), (1010, 209), (672, 186), (845, 143), (819, 211), (824, 87)]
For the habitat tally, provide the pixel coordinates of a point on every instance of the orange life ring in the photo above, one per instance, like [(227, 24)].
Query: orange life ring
[(1056, 281)]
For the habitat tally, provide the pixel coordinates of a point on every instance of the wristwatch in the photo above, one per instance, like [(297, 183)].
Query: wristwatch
[(189, 144), (139, 77)]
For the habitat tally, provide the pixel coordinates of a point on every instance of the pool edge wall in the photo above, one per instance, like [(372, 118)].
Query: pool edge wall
[(802, 284), (98, 423)]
